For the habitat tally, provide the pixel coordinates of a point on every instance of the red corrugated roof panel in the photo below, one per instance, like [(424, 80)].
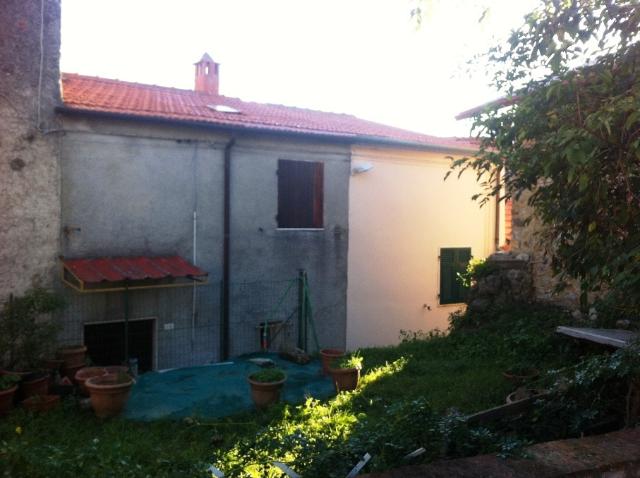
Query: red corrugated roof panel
[(119, 269)]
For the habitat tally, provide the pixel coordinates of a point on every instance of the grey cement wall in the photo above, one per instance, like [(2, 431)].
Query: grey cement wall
[(29, 174), (131, 188)]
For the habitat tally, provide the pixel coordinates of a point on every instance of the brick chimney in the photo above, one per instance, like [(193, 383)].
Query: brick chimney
[(207, 77)]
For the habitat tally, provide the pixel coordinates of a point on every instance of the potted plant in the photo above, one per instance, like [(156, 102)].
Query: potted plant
[(346, 374), (109, 393), (41, 403), (8, 388), (328, 356), (266, 385)]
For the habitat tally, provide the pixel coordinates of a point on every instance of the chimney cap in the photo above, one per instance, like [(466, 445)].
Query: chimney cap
[(205, 59)]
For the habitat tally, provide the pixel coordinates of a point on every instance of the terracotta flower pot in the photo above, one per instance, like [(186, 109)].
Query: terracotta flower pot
[(109, 393), (70, 372), (265, 393), (41, 403), (345, 379), (524, 394), (37, 384), (73, 356), (6, 399), (328, 356), (521, 375), (86, 373)]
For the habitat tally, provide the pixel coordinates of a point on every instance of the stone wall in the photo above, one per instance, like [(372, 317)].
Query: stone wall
[(508, 279), (525, 240), (29, 172)]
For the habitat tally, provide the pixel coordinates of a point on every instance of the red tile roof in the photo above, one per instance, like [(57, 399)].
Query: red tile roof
[(92, 94)]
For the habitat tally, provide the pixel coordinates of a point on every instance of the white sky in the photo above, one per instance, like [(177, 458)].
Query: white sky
[(362, 57)]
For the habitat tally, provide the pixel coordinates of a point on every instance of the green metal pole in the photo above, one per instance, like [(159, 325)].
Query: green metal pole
[(126, 324), (300, 308), (305, 310)]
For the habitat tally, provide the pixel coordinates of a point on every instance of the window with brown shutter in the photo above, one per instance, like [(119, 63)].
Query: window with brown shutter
[(300, 194)]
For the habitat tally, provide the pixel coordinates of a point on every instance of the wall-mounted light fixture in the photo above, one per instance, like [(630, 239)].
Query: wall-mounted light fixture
[(361, 168)]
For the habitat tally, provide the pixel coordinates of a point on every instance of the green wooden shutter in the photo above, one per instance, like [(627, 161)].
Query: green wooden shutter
[(453, 260)]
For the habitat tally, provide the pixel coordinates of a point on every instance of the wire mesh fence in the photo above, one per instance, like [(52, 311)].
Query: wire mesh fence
[(178, 327)]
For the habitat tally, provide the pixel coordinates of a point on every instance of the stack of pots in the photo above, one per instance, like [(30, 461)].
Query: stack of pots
[(73, 358)]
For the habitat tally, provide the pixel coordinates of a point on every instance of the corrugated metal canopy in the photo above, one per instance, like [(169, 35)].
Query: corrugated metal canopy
[(135, 272)]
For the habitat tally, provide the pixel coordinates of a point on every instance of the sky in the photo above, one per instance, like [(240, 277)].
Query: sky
[(361, 57)]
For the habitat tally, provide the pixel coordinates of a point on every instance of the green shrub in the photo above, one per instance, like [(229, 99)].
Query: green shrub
[(268, 375)]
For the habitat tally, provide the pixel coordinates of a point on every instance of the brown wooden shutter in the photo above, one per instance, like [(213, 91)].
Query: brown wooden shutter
[(300, 194)]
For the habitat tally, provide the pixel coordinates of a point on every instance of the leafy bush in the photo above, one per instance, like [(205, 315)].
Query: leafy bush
[(354, 360), (26, 335), (476, 269), (268, 375), (7, 381)]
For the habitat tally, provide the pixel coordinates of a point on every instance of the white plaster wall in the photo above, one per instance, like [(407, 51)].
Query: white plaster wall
[(401, 213)]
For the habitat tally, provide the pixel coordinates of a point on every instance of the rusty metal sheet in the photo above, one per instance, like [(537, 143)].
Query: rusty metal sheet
[(118, 269)]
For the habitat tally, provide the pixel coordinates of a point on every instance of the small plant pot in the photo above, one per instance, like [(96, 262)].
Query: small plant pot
[(86, 373), (70, 372), (73, 356), (522, 375), (328, 356), (524, 394), (109, 394), (345, 379), (33, 385), (6, 399), (265, 394), (41, 403)]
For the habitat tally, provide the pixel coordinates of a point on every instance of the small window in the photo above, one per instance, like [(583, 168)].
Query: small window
[(453, 260), (300, 194)]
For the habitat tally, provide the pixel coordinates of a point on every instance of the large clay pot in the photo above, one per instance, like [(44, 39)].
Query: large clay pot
[(86, 373), (41, 403), (265, 393), (328, 356), (345, 379), (109, 393), (73, 356), (6, 399), (36, 384)]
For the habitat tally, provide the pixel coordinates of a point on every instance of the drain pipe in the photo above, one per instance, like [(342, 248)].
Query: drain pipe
[(226, 247)]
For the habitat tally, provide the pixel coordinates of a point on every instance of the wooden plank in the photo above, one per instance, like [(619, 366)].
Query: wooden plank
[(506, 410), (613, 337)]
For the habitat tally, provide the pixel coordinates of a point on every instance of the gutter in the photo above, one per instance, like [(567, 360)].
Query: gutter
[(350, 139), (226, 249)]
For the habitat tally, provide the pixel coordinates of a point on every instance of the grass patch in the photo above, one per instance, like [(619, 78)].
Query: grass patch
[(411, 395)]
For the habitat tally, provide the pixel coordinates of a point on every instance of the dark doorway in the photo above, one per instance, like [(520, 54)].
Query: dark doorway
[(105, 343)]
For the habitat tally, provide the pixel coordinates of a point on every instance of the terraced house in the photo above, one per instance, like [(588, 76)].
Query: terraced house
[(162, 187)]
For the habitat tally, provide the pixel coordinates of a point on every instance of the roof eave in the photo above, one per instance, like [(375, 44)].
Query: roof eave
[(340, 138)]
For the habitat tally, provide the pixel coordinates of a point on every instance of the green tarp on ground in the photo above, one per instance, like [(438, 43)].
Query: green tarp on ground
[(218, 390)]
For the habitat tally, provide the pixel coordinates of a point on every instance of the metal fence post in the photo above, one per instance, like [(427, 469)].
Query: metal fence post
[(301, 310)]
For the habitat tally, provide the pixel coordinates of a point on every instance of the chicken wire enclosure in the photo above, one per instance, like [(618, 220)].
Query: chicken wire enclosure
[(184, 323), (263, 315), (182, 327)]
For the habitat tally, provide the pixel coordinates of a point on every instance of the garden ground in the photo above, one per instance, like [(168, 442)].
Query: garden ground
[(412, 395)]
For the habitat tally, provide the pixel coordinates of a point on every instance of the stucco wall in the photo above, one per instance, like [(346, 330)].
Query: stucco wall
[(131, 188), (401, 214), (29, 186)]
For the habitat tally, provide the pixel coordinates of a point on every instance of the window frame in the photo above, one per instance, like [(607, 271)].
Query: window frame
[(312, 193)]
